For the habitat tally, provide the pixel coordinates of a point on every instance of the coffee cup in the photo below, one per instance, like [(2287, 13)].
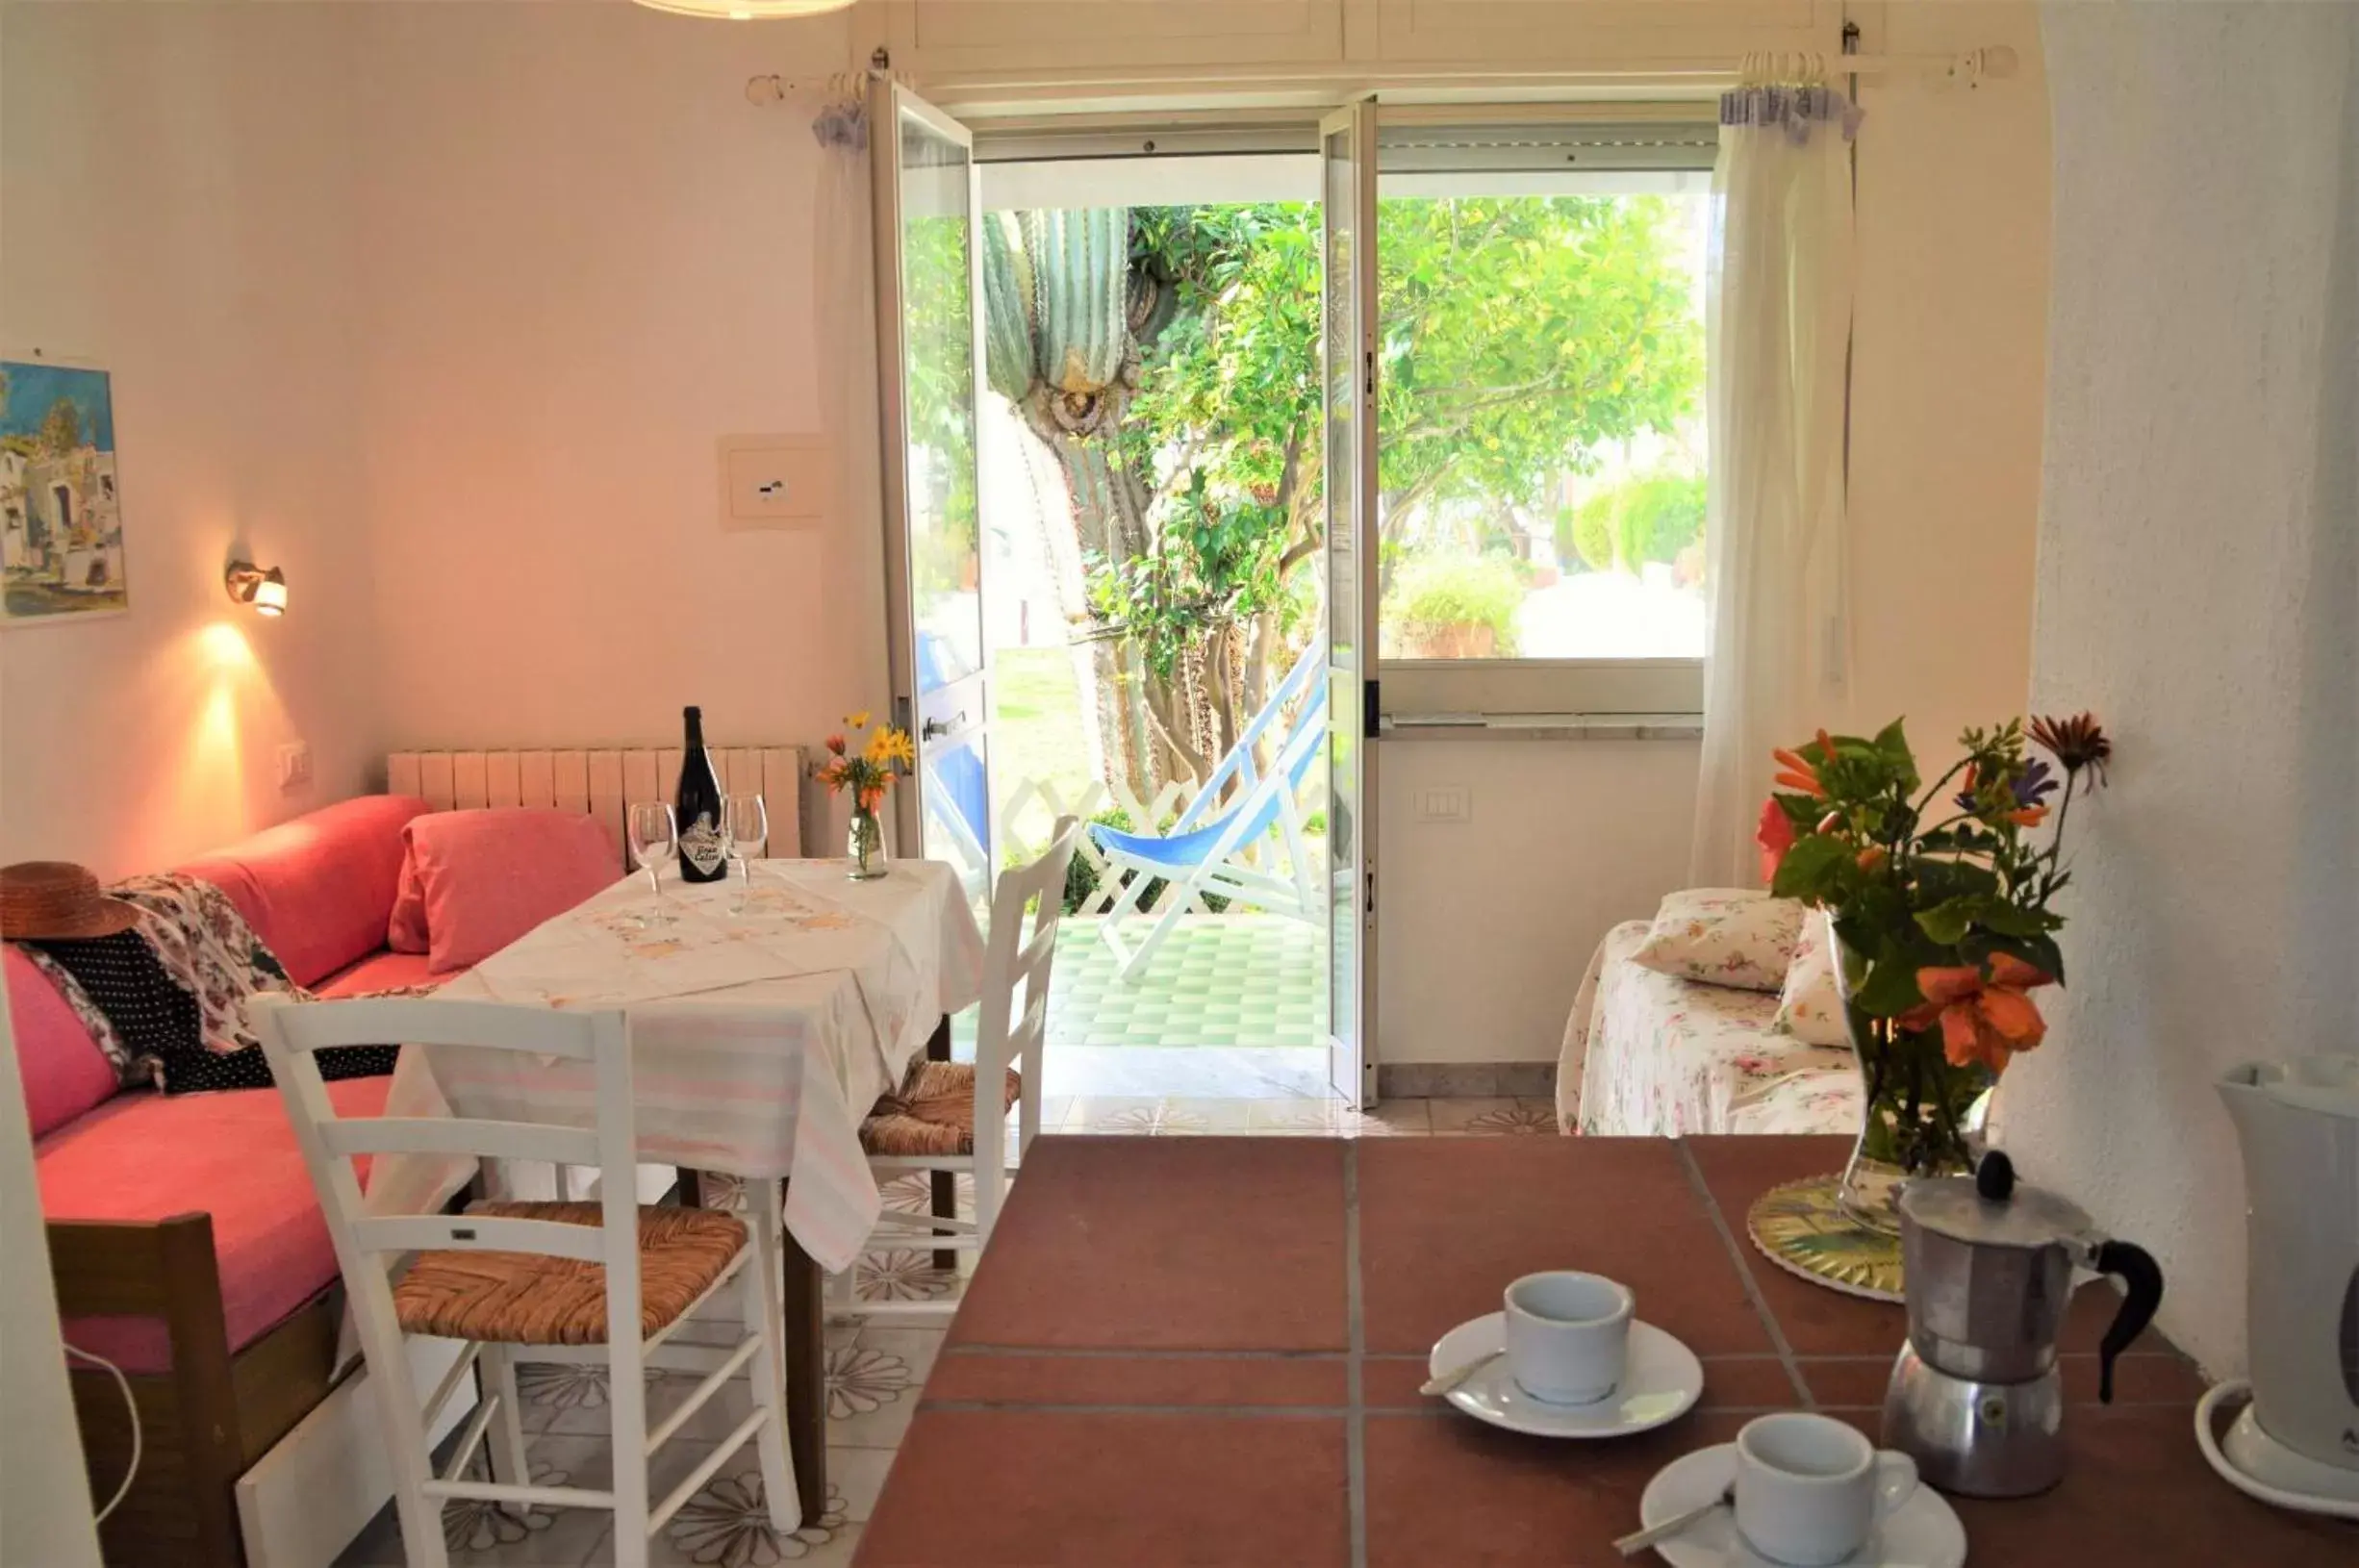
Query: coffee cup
[(1810, 1489), (1567, 1335)]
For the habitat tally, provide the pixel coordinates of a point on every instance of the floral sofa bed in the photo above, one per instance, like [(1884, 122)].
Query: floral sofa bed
[(187, 1243), (1720, 1015)]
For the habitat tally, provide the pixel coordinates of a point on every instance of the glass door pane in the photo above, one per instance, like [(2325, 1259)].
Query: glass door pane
[(927, 338), (1348, 361)]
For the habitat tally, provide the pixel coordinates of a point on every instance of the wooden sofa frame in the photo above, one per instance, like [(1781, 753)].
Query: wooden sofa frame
[(204, 1422)]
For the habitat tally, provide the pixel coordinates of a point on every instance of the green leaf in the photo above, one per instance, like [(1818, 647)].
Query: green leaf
[(1813, 868), (1946, 922)]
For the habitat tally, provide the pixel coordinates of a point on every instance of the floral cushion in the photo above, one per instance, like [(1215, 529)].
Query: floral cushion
[(1723, 936), (1810, 1007), (1648, 1054)]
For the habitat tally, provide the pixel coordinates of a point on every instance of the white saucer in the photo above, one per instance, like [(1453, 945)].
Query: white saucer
[(1660, 1381), (1922, 1532)]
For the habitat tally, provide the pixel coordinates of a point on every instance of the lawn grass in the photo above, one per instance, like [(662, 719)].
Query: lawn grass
[(1036, 723)]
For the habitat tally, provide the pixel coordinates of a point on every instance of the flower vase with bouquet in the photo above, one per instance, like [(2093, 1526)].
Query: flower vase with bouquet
[(1941, 899)]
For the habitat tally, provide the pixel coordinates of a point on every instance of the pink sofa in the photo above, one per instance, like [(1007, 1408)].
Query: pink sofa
[(188, 1245)]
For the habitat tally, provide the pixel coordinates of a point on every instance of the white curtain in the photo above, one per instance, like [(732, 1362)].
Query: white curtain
[(1778, 322)]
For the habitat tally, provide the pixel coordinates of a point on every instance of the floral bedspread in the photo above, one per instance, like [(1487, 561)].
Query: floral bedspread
[(1650, 1054)]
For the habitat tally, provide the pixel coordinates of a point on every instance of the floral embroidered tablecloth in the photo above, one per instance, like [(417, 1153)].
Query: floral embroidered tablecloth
[(760, 1037), (1650, 1054)]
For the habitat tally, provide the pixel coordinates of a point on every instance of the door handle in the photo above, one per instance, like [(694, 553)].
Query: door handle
[(933, 727)]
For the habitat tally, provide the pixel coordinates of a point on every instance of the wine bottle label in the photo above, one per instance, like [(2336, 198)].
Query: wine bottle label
[(700, 845)]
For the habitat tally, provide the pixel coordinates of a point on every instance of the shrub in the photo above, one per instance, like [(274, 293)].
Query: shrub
[(1651, 517), (1081, 876), (1443, 596)]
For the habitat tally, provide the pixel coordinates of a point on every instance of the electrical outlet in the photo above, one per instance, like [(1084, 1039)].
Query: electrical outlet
[(1445, 803), (774, 481), (295, 765)]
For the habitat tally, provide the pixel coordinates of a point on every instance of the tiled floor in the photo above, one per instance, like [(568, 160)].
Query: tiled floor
[(874, 1372), (1225, 980)]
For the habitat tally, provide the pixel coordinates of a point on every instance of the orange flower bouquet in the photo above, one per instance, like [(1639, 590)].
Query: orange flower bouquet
[(868, 773), (1941, 905)]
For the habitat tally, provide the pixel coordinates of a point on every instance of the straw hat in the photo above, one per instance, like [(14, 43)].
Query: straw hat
[(57, 900)]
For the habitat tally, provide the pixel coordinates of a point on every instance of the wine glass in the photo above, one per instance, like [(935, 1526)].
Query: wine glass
[(745, 831), (655, 838)]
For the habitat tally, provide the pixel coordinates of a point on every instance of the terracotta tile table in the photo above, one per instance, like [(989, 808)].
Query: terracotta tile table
[(1206, 1350)]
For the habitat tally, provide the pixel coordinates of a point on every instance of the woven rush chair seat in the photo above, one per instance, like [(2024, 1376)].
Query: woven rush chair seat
[(521, 1299), (932, 1113)]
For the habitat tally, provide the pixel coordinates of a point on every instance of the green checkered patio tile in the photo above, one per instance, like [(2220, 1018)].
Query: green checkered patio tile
[(1245, 980)]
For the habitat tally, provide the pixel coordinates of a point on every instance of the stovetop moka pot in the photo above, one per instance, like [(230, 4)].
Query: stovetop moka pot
[(1975, 1397)]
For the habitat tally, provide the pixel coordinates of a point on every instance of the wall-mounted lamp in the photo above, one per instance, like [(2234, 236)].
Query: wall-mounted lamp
[(248, 583)]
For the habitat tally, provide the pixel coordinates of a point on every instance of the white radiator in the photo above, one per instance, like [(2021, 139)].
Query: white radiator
[(602, 782)]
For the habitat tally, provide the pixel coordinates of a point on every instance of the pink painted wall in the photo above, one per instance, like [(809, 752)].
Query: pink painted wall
[(176, 205), (585, 256)]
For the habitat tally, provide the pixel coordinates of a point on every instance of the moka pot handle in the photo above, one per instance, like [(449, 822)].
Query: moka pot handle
[(2142, 1279)]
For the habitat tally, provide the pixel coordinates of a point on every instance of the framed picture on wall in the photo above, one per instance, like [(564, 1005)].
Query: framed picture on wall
[(61, 505)]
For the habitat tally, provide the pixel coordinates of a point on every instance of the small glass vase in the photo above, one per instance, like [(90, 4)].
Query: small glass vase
[(1922, 1116), (865, 846)]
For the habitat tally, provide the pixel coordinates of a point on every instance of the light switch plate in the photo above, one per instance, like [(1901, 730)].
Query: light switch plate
[(1445, 803), (775, 481), (295, 765)]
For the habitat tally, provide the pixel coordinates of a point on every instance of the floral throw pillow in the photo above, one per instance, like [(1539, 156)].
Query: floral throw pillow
[(1811, 1008), (1723, 936)]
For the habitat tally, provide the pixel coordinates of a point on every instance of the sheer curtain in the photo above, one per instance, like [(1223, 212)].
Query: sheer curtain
[(1778, 320)]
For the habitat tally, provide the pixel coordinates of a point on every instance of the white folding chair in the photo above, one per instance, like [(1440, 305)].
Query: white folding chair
[(573, 1279), (948, 1116)]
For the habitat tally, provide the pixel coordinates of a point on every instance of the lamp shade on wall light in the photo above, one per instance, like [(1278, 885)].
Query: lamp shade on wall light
[(249, 584), (748, 10)]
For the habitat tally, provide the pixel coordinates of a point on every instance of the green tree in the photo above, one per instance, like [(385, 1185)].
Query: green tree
[(61, 427), (1176, 376)]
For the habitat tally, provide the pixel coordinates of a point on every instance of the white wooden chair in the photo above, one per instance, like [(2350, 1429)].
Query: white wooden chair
[(606, 1280), (951, 1117)]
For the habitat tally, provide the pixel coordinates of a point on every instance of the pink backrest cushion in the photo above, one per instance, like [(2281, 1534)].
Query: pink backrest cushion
[(490, 877), (63, 1071), (319, 888)]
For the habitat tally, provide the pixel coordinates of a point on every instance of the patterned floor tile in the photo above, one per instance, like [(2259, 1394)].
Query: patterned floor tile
[(1251, 980), (872, 1385), (480, 1536), (1492, 1118), (727, 1525)]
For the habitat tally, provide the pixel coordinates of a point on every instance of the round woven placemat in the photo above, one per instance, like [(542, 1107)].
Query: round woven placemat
[(1802, 1229)]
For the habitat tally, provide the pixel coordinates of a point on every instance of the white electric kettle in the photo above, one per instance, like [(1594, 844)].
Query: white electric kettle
[(2298, 1443)]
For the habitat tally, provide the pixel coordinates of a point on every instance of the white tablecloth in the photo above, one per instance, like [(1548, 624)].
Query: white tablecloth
[(758, 1040)]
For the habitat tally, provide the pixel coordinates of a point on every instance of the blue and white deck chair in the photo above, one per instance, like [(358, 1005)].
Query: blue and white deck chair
[(1204, 852)]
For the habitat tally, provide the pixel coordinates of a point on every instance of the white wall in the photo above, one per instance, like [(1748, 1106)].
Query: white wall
[(585, 256), (2200, 589), (176, 205), (1486, 931)]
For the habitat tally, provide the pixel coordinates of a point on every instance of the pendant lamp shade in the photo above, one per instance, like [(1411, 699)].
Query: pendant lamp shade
[(747, 11)]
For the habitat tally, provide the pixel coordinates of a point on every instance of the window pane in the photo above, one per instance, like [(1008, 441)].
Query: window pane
[(1540, 420)]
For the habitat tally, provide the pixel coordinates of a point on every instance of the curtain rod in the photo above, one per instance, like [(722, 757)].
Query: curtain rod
[(1993, 63)]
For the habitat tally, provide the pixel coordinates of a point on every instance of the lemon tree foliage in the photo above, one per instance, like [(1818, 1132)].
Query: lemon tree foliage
[(1169, 358)]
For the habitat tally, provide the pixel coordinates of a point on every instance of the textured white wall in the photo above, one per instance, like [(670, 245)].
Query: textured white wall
[(2198, 586)]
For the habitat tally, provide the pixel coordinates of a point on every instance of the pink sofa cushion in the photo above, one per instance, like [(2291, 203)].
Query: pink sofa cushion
[(490, 877), (143, 1157), (63, 1071), (380, 971), (321, 888)]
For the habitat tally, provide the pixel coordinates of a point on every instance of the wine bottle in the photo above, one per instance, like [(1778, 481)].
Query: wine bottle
[(697, 805)]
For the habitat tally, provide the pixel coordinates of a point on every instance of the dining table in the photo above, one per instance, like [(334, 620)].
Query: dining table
[(1209, 1352), (767, 1014)]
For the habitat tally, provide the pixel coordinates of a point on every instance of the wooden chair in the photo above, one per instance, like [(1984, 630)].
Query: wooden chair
[(605, 1280), (949, 1117)]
